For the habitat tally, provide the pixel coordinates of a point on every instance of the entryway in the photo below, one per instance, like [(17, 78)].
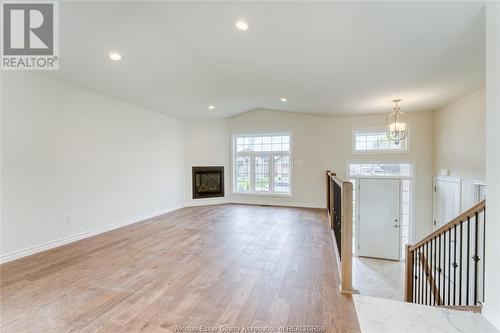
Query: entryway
[(383, 205), (379, 278), (379, 218)]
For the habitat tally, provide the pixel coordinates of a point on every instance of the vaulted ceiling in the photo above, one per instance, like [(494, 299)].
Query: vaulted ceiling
[(329, 58)]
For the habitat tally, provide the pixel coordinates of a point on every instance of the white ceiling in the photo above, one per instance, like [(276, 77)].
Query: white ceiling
[(330, 58)]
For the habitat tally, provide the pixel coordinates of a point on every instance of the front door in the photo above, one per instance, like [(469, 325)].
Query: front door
[(379, 218)]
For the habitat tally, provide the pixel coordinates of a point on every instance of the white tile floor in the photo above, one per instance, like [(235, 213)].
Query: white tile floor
[(387, 316), (379, 278), (379, 305)]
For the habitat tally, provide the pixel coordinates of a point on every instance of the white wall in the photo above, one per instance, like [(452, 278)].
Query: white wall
[(321, 143), (207, 144), (491, 307), (459, 141), (308, 154), (67, 151)]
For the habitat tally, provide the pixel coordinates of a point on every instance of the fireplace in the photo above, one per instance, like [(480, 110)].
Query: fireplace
[(208, 182)]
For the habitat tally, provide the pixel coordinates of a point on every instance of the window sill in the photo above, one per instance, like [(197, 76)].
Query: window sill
[(264, 194)]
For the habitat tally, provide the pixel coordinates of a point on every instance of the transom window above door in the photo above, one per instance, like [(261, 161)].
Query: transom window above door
[(373, 140), (262, 164)]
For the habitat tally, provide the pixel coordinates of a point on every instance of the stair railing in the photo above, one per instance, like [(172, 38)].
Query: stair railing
[(446, 268), (339, 207)]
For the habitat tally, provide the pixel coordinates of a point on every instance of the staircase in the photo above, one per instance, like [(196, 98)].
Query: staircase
[(446, 268), (388, 316)]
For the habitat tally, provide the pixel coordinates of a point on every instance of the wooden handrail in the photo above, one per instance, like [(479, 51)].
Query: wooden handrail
[(478, 208), (336, 179), (450, 260)]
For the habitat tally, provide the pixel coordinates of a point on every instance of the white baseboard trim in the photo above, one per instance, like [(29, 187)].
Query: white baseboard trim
[(86, 234), (207, 202), (220, 201), (277, 203), (490, 316)]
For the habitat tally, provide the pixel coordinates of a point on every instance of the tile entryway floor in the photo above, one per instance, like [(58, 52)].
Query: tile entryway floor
[(379, 278)]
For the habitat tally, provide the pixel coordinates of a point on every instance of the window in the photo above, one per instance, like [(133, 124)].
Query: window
[(243, 173), (380, 169), (262, 164), (405, 213), (262, 173), (375, 140)]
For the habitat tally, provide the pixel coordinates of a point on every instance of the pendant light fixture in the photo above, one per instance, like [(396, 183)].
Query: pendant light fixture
[(397, 123)]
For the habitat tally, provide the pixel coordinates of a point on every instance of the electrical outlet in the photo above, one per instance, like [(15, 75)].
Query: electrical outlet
[(67, 219)]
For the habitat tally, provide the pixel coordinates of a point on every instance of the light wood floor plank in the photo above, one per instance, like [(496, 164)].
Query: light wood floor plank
[(211, 266)]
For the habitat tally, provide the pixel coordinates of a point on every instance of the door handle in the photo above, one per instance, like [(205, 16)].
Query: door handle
[(397, 224)]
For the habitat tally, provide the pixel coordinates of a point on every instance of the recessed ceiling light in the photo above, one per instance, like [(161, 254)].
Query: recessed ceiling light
[(242, 25), (115, 56), (211, 107), (283, 99)]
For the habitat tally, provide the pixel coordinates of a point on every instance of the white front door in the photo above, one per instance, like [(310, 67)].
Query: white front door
[(446, 200), (379, 218)]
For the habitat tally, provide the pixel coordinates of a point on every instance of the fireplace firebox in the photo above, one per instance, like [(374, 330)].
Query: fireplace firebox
[(208, 182)]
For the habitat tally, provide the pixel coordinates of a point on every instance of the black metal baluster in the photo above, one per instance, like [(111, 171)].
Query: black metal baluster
[(426, 250), (444, 268), (460, 265), (439, 268), (476, 258), (435, 267), (417, 277), (468, 260), (449, 266), (433, 295), (455, 265), (429, 267), (421, 276), (484, 247), (414, 278), (418, 273)]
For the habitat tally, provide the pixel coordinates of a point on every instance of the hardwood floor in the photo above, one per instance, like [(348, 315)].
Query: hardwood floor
[(230, 265)]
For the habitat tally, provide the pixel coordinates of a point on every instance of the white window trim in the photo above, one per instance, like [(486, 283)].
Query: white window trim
[(377, 151), (252, 165), (412, 177)]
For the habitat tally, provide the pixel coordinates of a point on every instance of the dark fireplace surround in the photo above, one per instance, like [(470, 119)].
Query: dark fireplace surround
[(208, 182)]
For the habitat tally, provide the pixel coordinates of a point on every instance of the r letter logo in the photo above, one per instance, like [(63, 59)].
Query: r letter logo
[(30, 36)]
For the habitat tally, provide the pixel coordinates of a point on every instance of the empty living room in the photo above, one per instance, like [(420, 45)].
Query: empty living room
[(250, 166)]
